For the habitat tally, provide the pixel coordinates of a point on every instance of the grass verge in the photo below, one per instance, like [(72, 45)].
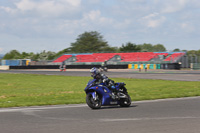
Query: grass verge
[(30, 89)]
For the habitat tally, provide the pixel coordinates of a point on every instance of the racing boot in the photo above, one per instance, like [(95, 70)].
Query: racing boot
[(113, 96)]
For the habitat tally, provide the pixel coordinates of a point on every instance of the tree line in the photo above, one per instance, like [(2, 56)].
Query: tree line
[(91, 42)]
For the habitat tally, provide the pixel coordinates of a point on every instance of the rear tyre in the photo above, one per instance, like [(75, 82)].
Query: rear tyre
[(125, 102), (92, 103)]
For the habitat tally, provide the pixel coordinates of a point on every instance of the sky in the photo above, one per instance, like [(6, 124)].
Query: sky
[(52, 25)]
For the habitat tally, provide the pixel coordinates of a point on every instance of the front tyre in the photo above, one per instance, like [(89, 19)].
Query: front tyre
[(105, 69), (125, 102), (92, 103)]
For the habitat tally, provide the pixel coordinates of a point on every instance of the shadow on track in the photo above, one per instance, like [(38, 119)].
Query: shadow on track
[(116, 107)]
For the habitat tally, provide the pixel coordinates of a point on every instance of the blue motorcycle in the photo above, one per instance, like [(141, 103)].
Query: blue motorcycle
[(98, 95)]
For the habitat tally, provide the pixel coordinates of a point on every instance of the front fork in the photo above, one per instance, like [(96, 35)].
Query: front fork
[(94, 95)]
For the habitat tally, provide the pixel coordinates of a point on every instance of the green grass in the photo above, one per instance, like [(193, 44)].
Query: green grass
[(29, 90)]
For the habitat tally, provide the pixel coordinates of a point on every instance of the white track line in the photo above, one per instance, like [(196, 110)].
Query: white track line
[(167, 99), (146, 118), (19, 109)]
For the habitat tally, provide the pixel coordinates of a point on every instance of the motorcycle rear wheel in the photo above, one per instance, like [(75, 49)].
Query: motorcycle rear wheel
[(125, 102), (92, 103)]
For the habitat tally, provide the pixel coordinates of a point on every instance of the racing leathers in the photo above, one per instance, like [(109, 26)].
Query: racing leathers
[(102, 78)]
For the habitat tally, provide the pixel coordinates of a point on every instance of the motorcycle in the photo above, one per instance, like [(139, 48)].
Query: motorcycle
[(98, 95), (62, 68), (103, 68)]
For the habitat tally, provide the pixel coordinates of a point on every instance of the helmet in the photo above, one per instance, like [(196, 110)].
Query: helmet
[(94, 72)]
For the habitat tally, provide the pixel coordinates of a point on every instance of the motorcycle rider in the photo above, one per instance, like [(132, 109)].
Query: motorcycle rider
[(62, 66), (102, 78)]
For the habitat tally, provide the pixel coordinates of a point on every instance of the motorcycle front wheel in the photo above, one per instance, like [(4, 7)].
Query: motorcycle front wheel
[(92, 103), (105, 69)]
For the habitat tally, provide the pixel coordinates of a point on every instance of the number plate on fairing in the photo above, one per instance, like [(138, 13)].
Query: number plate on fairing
[(113, 102)]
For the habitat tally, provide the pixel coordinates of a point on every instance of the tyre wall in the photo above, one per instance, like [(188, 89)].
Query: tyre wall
[(130, 66), (155, 66)]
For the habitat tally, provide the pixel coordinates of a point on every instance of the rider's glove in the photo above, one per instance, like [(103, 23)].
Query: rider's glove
[(104, 80)]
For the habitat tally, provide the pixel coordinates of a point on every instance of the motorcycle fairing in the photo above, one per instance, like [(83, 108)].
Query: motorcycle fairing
[(103, 92)]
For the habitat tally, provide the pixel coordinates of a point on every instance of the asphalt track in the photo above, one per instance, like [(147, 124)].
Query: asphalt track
[(157, 116), (179, 75)]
